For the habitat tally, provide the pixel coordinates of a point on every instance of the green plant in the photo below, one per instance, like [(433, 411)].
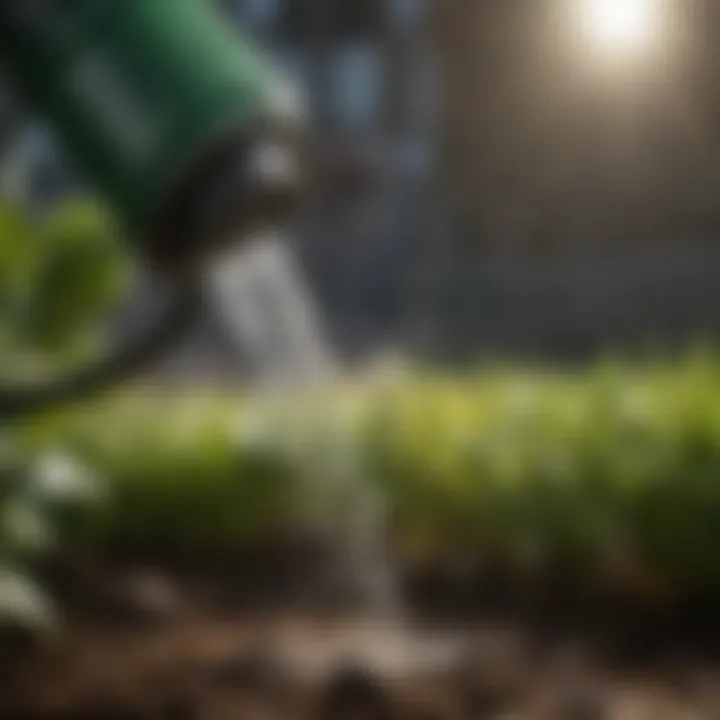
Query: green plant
[(607, 471), (59, 277), (78, 278), (35, 491)]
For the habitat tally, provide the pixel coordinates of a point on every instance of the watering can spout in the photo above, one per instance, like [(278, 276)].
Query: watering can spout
[(240, 189)]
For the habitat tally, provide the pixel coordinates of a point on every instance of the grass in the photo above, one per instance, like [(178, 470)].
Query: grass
[(614, 470)]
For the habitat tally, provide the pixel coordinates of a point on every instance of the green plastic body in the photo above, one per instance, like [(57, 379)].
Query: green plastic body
[(141, 92)]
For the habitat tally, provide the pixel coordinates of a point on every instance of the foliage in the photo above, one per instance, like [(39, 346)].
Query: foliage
[(78, 277), (36, 490), (611, 471), (614, 471), (59, 276)]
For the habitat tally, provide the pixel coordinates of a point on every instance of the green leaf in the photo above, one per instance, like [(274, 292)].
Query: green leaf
[(23, 603), (25, 529), (80, 276), (58, 478)]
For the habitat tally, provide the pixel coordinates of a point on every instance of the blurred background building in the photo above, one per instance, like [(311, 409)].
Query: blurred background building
[(518, 201)]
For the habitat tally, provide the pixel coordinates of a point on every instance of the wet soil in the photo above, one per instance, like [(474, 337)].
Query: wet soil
[(158, 644)]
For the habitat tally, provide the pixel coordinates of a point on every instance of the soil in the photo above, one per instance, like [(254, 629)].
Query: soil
[(150, 644)]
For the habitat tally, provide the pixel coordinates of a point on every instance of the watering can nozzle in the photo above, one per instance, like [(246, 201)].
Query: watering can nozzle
[(240, 188)]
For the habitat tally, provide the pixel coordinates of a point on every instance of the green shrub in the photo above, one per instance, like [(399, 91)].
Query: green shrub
[(59, 278), (598, 471), (38, 494)]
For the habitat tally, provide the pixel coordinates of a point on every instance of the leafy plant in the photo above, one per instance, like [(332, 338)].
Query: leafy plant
[(612, 472), (59, 277), (618, 467), (35, 491)]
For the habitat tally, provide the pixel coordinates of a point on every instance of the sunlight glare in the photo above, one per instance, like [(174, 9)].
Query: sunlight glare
[(619, 28)]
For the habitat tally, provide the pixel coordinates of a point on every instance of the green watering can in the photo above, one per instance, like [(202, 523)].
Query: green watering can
[(177, 120)]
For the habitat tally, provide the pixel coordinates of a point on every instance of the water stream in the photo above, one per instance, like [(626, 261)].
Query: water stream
[(258, 292)]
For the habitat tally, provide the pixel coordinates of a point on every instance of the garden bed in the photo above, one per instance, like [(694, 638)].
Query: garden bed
[(170, 644), (566, 523)]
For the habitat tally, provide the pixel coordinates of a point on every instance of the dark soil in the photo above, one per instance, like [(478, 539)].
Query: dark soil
[(143, 644)]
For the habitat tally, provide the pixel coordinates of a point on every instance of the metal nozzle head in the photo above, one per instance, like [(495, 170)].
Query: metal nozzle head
[(241, 187)]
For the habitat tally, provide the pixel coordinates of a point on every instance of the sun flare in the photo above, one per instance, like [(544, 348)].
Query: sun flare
[(621, 28)]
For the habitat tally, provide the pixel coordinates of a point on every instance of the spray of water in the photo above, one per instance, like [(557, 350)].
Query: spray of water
[(258, 293)]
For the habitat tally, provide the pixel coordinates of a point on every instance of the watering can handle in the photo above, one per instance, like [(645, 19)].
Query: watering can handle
[(21, 401)]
